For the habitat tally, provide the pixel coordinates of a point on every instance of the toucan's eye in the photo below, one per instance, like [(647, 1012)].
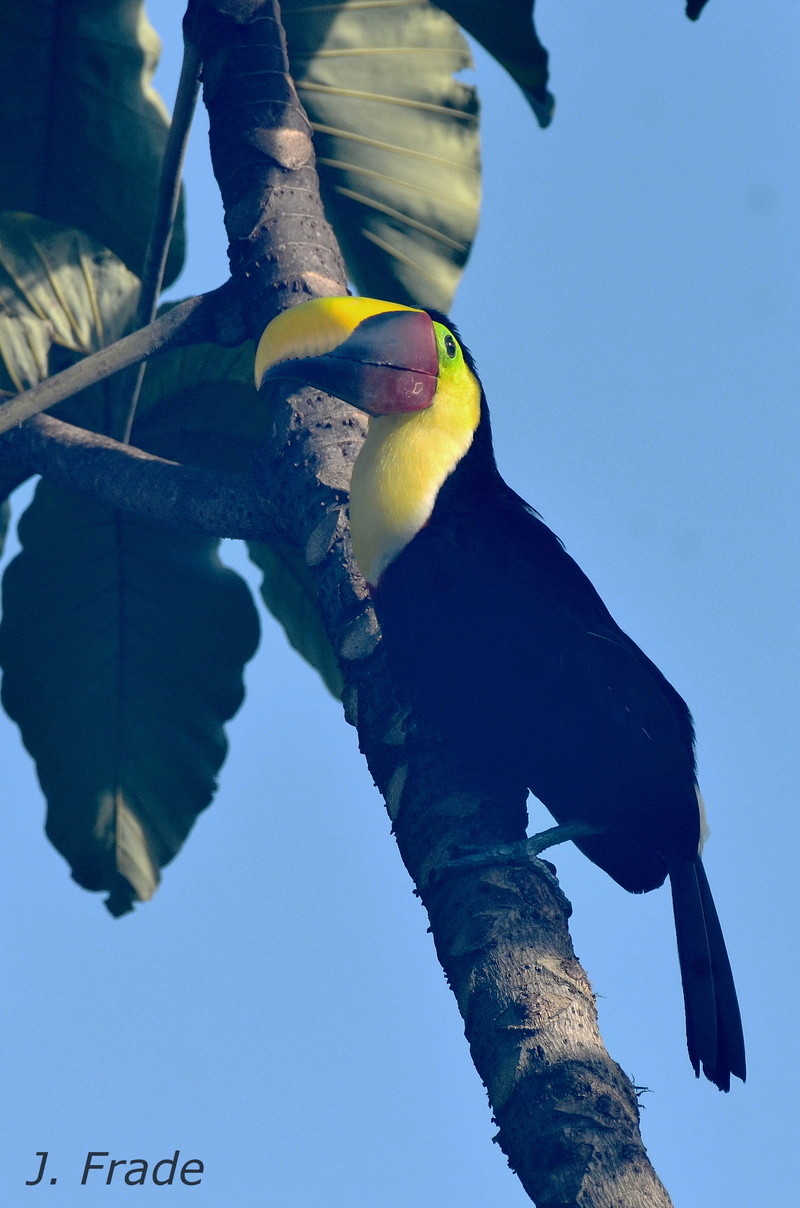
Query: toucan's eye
[(450, 345)]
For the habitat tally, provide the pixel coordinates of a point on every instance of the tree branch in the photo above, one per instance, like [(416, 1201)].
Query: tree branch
[(169, 193), (146, 487), (169, 185)]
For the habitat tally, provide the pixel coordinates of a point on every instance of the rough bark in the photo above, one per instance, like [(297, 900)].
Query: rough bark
[(146, 487), (567, 1115)]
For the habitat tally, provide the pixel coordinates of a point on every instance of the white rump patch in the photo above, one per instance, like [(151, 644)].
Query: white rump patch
[(704, 827)]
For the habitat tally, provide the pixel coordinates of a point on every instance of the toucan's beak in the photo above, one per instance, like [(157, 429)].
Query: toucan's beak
[(377, 356)]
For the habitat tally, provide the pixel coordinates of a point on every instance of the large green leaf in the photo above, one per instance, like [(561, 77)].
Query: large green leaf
[(199, 404), (396, 140), (289, 595), (82, 131), (57, 286), (505, 28), (122, 649), (203, 390)]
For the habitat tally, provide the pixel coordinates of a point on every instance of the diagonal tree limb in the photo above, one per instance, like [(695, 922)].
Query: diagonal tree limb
[(145, 487)]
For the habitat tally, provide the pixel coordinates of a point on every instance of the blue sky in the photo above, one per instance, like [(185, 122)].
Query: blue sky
[(277, 1010)]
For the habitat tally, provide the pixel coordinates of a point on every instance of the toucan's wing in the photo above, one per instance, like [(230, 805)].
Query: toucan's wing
[(503, 641)]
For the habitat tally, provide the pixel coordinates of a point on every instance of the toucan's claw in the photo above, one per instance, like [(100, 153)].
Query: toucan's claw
[(528, 849), (526, 852)]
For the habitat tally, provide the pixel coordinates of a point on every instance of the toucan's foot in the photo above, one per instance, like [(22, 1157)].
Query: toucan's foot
[(526, 852), (559, 834), (527, 849)]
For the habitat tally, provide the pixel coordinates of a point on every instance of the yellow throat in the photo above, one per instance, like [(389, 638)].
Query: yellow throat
[(402, 465), (409, 451)]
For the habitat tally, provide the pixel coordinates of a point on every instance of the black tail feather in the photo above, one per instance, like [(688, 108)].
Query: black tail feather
[(713, 1024), (730, 1043)]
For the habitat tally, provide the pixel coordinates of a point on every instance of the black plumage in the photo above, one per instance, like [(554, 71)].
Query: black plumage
[(499, 641), (502, 644)]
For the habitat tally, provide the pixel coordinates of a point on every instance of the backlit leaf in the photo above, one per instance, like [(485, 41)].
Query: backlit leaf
[(396, 140), (122, 648), (505, 28), (57, 286), (82, 131)]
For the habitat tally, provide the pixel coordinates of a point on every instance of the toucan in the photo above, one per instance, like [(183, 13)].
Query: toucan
[(498, 640)]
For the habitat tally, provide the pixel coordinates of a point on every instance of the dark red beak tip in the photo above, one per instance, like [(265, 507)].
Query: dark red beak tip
[(398, 361)]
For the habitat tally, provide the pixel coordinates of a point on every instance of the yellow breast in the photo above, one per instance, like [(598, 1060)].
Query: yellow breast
[(401, 468)]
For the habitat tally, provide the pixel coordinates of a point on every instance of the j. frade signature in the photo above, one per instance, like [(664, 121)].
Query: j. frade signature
[(100, 1167)]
